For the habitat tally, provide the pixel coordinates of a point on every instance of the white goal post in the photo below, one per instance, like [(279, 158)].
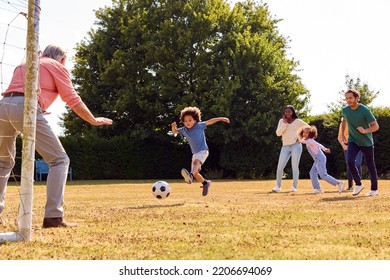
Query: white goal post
[(29, 128)]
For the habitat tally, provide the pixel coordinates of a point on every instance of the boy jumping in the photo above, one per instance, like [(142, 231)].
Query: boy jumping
[(193, 131)]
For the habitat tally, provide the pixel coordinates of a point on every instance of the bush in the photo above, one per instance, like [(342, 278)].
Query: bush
[(125, 158)]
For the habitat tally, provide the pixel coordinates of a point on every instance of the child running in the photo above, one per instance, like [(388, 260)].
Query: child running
[(307, 136), (193, 131)]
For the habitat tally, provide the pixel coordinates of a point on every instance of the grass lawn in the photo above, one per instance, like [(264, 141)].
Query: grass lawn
[(238, 220)]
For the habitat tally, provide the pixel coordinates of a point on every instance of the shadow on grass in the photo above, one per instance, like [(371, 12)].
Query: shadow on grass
[(281, 193), (284, 193), (337, 197), (155, 206), (342, 198)]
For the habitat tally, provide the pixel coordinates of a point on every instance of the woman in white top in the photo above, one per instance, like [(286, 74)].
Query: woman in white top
[(288, 128)]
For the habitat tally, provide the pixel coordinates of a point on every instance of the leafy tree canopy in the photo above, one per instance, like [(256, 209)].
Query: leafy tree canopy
[(148, 59), (367, 95)]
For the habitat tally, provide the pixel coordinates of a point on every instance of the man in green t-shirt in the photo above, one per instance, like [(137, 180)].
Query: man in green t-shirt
[(361, 124)]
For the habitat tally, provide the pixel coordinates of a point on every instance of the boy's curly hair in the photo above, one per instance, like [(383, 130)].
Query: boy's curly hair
[(191, 111), (312, 134)]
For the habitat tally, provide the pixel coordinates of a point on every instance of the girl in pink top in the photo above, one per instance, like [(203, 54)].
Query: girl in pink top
[(307, 136)]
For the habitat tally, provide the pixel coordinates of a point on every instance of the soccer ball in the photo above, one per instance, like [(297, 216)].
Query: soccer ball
[(161, 189)]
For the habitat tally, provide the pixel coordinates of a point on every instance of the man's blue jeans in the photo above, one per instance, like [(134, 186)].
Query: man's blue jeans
[(368, 153)]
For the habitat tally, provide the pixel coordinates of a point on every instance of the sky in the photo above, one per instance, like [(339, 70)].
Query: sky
[(330, 39)]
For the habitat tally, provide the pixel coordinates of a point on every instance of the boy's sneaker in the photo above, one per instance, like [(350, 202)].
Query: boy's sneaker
[(293, 189), (350, 189), (357, 189), (372, 193), (318, 191), (187, 176), (276, 189), (205, 186), (341, 186)]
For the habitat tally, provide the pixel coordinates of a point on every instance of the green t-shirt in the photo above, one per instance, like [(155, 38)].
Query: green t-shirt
[(361, 116)]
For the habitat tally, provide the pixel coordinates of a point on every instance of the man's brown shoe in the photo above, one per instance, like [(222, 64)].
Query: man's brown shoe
[(57, 222)]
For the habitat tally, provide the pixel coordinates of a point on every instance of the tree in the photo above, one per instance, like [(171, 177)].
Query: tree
[(366, 97), (148, 59)]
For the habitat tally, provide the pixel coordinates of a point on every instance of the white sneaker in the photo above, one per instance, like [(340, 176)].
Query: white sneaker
[(187, 176), (341, 186), (318, 191), (276, 189), (293, 189), (357, 189), (372, 193)]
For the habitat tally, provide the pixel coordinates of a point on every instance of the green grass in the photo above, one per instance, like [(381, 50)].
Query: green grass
[(238, 220)]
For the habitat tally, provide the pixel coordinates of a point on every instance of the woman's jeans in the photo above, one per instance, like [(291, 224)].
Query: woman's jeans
[(294, 151)]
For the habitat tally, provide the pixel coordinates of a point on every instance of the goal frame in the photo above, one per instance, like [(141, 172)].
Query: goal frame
[(24, 220)]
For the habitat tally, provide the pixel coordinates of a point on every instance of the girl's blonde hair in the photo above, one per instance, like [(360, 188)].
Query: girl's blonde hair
[(312, 134), (191, 111)]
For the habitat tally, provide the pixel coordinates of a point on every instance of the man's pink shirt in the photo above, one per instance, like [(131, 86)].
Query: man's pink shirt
[(54, 80)]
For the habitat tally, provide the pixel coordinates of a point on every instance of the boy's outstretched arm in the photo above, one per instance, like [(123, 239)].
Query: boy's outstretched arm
[(219, 119), (174, 128)]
